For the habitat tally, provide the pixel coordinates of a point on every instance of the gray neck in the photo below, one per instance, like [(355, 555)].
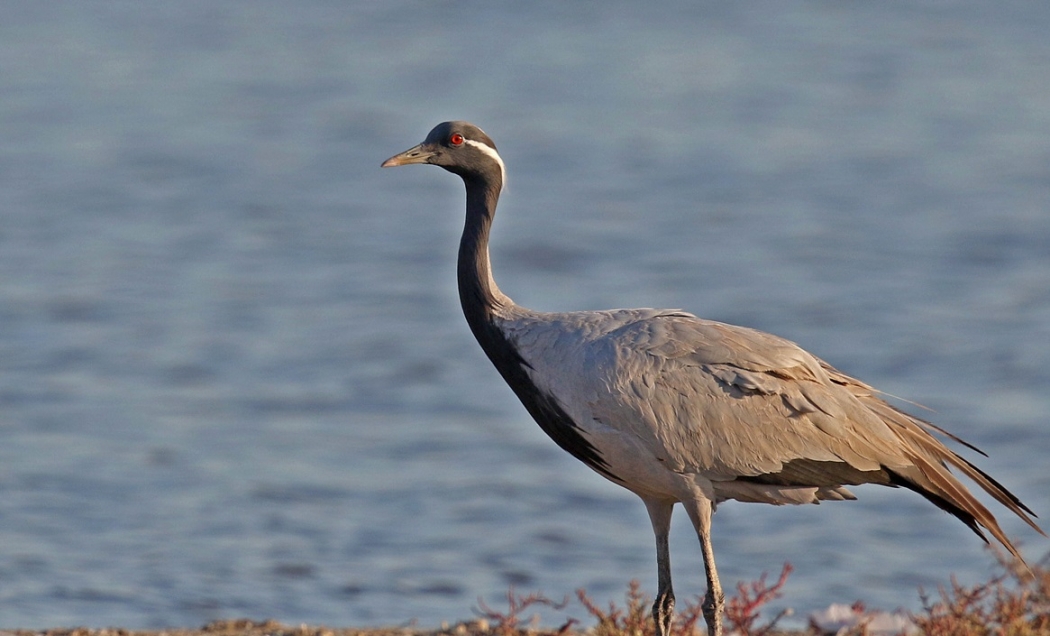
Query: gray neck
[(478, 294), (483, 303)]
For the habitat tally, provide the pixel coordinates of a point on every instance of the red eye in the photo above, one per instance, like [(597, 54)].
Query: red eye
[(456, 139)]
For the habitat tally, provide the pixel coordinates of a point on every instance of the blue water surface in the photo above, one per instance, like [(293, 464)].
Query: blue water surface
[(234, 379)]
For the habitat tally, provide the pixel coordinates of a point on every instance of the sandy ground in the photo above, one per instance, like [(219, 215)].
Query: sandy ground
[(245, 627)]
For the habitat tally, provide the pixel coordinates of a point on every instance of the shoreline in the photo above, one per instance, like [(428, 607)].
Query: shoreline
[(248, 627)]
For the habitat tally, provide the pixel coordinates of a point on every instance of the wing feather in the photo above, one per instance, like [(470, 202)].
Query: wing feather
[(745, 409)]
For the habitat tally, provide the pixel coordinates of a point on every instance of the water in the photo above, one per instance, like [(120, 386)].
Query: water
[(234, 380)]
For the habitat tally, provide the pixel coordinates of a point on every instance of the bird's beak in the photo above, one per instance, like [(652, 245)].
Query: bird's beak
[(415, 154)]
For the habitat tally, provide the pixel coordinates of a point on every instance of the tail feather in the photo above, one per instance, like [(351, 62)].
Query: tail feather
[(997, 490), (929, 475), (933, 481), (968, 518)]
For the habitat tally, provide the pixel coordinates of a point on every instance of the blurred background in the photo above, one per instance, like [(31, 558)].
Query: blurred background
[(234, 377)]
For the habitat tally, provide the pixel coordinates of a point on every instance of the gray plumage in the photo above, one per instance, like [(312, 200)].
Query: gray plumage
[(683, 410)]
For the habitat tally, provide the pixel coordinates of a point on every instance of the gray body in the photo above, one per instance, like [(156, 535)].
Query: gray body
[(683, 410)]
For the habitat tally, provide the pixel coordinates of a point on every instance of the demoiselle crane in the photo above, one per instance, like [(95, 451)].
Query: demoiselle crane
[(682, 410)]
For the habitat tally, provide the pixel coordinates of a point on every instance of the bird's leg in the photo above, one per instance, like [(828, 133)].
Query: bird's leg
[(663, 608), (714, 602)]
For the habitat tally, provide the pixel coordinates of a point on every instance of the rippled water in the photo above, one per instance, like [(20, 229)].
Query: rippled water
[(234, 379)]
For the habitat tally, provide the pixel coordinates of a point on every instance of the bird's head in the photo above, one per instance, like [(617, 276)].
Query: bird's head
[(459, 147)]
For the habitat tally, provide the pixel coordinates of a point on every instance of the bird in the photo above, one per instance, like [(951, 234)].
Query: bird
[(683, 410)]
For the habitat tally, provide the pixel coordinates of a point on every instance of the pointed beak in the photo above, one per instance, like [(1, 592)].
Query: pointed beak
[(415, 154)]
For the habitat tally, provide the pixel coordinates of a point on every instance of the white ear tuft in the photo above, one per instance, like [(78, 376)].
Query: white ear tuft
[(491, 152)]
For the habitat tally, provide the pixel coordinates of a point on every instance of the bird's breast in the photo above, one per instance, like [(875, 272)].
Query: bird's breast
[(581, 378)]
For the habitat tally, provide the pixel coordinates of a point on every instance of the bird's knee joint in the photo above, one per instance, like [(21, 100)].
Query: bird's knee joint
[(663, 612), (664, 603), (713, 603)]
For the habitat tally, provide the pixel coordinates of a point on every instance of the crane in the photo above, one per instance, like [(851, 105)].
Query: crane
[(681, 410)]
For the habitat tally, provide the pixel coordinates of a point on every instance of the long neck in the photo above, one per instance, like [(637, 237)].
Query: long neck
[(478, 293), (482, 301)]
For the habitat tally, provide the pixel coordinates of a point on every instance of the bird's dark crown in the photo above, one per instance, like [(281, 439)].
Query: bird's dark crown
[(464, 149), (442, 134), (459, 147)]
